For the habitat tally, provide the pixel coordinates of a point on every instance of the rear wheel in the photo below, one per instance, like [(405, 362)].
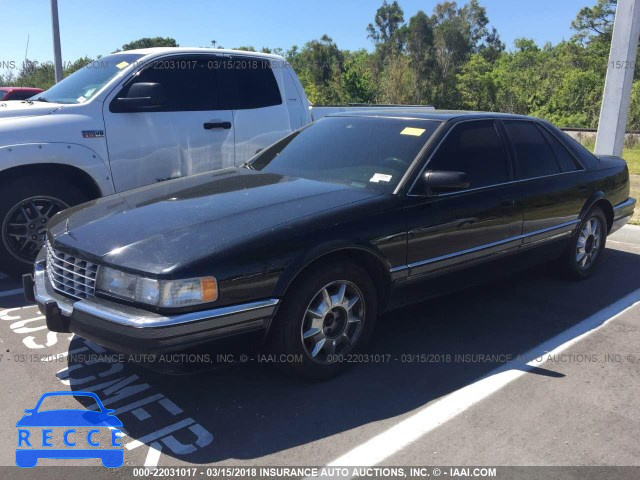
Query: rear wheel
[(587, 245), (26, 206), (327, 315)]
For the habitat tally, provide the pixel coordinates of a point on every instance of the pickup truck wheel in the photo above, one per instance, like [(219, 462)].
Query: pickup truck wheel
[(327, 315), (26, 205), (586, 248)]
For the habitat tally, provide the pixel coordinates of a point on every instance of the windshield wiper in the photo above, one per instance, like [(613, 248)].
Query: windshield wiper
[(40, 99)]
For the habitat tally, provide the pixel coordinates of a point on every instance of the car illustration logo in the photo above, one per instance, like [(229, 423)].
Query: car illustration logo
[(69, 433)]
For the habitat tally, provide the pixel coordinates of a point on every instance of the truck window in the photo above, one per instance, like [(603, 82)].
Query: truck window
[(189, 81), (247, 82)]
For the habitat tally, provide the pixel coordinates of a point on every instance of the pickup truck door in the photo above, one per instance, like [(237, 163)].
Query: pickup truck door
[(191, 132), (262, 98)]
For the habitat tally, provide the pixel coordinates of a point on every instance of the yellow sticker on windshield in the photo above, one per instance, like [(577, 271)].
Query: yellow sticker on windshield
[(415, 132), (121, 65)]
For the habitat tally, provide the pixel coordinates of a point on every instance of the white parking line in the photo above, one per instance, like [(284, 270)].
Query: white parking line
[(8, 293), (387, 443)]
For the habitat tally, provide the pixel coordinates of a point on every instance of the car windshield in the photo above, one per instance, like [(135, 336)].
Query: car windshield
[(80, 86), (362, 152), (2, 94)]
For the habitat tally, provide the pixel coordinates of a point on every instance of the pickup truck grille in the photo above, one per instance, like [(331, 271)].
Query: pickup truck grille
[(70, 275)]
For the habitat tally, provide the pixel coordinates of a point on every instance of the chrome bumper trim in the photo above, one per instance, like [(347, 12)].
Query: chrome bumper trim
[(135, 317)]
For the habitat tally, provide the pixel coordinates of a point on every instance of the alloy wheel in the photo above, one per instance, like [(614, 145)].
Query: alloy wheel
[(333, 321), (589, 243), (25, 226)]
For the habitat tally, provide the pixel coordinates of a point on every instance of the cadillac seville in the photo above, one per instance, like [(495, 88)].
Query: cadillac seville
[(302, 247)]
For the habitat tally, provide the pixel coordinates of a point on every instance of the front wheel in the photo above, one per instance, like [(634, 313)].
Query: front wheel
[(26, 206), (327, 315), (587, 245)]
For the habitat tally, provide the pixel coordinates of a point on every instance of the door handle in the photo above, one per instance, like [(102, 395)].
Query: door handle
[(508, 203), (212, 125)]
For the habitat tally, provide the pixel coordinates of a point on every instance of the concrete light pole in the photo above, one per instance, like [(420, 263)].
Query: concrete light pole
[(57, 55), (617, 88)]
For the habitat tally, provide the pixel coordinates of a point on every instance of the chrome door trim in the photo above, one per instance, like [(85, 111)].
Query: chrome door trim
[(490, 245)]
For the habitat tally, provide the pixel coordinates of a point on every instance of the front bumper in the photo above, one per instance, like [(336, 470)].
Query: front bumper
[(131, 330)]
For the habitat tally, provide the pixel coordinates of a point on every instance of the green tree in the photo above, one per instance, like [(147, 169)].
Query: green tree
[(398, 81), (358, 82), (595, 23), (148, 42)]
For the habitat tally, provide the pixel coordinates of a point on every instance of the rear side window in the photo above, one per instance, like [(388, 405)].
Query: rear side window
[(476, 149), (563, 156), (534, 155), (247, 82), (190, 82)]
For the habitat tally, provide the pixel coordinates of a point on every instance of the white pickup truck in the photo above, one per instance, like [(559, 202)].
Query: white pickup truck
[(132, 119)]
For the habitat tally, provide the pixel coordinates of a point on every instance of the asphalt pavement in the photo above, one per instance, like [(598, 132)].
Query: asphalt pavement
[(525, 370)]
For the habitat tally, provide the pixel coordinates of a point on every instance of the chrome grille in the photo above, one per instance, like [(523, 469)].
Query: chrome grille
[(70, 275)]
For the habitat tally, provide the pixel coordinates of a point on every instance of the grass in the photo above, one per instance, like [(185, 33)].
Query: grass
[(635, 193), (632, 156)]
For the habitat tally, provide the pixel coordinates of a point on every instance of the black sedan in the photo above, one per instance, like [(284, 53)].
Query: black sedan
[(306, 244)]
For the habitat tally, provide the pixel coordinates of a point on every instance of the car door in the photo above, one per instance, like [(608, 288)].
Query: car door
[(449, 229), (190, 133), (254, 89), (551, 181)]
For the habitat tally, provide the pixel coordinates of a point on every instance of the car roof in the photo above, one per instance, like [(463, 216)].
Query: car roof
[(220, 51), (417, 113)]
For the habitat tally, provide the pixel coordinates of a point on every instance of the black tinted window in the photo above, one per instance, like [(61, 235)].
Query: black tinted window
[(247, 82), (189, 82), (475, 149), (371, 153), (563, 156), (535, 157)]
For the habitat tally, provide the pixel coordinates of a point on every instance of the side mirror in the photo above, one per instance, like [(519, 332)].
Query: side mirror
[(140, 97), (434, 182)]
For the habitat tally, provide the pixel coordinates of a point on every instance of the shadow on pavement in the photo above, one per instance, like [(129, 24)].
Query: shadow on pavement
[(253, 411)]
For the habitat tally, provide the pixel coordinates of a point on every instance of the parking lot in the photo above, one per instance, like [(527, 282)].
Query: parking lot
[(526, 370)]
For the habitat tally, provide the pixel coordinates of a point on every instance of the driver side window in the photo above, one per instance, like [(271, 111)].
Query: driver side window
[(189, 82), (474, 148)]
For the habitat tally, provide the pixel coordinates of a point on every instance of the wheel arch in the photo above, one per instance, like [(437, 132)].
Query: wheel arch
[(76, 175), (373, 262), (52, 158), (598, 199)]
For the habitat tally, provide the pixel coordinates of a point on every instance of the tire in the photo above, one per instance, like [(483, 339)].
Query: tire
[(26, 205), (352, 295), (586, 248)]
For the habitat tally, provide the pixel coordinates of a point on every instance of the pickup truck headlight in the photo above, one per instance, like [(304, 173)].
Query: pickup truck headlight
[(159, 293)]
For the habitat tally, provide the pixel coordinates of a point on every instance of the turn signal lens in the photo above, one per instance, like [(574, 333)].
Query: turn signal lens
[(209, 288)]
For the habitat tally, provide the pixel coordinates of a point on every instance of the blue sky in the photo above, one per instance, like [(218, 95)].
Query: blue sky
[(93, 28)]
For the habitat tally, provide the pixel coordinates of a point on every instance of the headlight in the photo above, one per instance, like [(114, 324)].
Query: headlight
[(159, 293)]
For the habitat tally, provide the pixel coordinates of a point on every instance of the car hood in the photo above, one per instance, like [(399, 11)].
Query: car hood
[(21, 108), (157, 229)]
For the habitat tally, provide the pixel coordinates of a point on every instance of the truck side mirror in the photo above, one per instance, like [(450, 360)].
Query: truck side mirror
[(141, 96)]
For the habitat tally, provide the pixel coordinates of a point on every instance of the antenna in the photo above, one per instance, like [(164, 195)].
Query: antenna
[(26, 53)]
